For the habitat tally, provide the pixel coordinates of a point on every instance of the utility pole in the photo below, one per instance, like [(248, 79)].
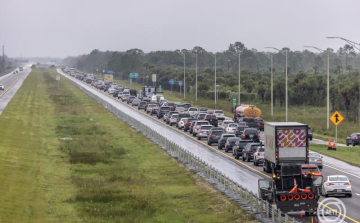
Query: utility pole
[(196, 74), (3, 58), (286, 86)]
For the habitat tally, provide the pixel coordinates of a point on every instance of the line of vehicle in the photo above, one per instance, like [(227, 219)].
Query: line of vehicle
[(221, 153), (11, 85), (354, 175)]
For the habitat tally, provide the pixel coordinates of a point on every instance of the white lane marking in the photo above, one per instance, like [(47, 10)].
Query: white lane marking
[(342, 171)]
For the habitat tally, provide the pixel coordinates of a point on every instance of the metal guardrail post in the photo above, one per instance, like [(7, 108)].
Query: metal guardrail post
[(267, 206), (272, 214), (279, 216), (256, 204), (251, 201), (286, 218), (261, 208)]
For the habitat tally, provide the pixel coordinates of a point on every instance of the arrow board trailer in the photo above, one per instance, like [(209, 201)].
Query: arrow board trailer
[(286, 150)]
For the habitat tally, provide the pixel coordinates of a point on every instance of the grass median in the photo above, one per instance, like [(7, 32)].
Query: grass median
[(65, 158)]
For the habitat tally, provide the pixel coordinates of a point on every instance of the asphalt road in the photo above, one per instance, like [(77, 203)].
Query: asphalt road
[(242, 172), (12, 82)]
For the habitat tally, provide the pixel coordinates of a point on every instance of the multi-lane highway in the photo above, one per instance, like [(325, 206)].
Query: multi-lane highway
[(243, 173), (12, 83)]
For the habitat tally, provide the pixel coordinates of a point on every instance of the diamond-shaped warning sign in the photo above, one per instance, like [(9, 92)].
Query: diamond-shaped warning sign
[(336, 118)]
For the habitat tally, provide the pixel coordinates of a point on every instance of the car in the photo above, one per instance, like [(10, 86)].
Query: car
[(115, 93), (222, 125), (135, 102), (222, 140), (230, 128), (316, 158), (259, 156), (120, 95), (200, 116), (219, 112), (310, 133), (147, 104), (153, 110), (197, 126), (239, 147), (191, 127), (130, 99), (149, 108), (212, 119), (192, 111), (311, 169), (162, 110), (173, 119), (180, 110), (214, 136), (249, 150), (203, 131), (203, 110), (125, 96), (230, 142), (168, 115), (251, 133), (181, 123), (251, 122), (188, 123), (260, 122), (141, 105), (337, 185), (240, 130), (2, 87), (353, 139), (173, 107)]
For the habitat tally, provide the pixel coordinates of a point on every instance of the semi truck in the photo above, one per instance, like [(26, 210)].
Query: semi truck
[(286, 150), (246, 111)]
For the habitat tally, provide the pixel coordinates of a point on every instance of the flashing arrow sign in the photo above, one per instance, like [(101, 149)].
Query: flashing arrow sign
[(336, 118)]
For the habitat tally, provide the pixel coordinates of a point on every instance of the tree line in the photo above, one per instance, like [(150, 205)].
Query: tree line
[(306, 72)]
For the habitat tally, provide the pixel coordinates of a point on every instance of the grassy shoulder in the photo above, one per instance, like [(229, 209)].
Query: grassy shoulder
[(34, 173), (84, 164), (349, 154)]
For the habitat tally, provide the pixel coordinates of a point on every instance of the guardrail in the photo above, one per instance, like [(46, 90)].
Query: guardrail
[(262, 210)]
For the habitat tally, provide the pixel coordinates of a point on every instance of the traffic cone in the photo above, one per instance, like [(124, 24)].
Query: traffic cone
[(334, 146), (329, 145)]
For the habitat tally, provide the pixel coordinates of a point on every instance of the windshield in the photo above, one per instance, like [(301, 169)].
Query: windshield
[(192, 109), (165, 109), (219, 112), (232, 125), (314, 155), (338, 178), (217, 133), (206, 127), (251, 131)]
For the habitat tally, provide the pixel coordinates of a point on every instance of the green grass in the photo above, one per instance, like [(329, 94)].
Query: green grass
[(107, 172), (349, 154)]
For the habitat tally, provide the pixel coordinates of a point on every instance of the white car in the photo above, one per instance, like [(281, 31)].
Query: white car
[(197, 126), (222, 125), (2, 87), (193, 111), (173, 119), (337, 185), (259, 156), (203, 131), (230, 128), (181, 123)]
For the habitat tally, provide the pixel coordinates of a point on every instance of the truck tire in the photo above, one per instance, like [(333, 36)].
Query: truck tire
[(353, 143)]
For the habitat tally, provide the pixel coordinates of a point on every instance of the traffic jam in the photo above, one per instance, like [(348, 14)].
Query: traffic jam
[(280, 148)]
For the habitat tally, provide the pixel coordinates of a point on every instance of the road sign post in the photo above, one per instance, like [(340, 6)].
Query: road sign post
[(171, 82), (336, 118), (180, 84)]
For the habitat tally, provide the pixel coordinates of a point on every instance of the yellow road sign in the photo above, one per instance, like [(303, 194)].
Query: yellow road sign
[(336, 118)]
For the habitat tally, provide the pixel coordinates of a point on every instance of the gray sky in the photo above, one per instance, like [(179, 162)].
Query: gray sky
[(59, 28)]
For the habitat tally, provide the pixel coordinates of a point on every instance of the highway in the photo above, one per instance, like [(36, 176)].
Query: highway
[(12, 82), (243, 173)]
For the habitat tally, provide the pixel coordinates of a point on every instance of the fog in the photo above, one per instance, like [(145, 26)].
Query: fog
[(60, 28)]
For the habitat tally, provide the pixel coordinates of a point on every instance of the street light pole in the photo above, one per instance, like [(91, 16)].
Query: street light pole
[(184, 78), (215, 80), (196, 77), (239, 75), (286, 87)]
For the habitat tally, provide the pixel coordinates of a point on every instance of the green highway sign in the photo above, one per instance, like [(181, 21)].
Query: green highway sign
[(234, 102)]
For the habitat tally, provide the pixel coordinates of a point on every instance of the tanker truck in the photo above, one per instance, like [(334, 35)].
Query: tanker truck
[(246, 111)]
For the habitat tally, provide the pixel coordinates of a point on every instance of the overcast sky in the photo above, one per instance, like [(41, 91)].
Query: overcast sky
[(58, 28)]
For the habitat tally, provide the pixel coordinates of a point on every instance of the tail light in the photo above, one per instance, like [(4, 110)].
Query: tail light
[(297, 197), (243, 135), (200, 131), (319, 160), (328, 184), (307, 155), (356, 137), (303, 196), (216, 119), (282, 197), (238, 147), (228, 144), (258, 136), (211, 135), (290, 197), (276, 155), (258, 154), (181, 123), (311, 196), (259, 124), (348, 183)]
